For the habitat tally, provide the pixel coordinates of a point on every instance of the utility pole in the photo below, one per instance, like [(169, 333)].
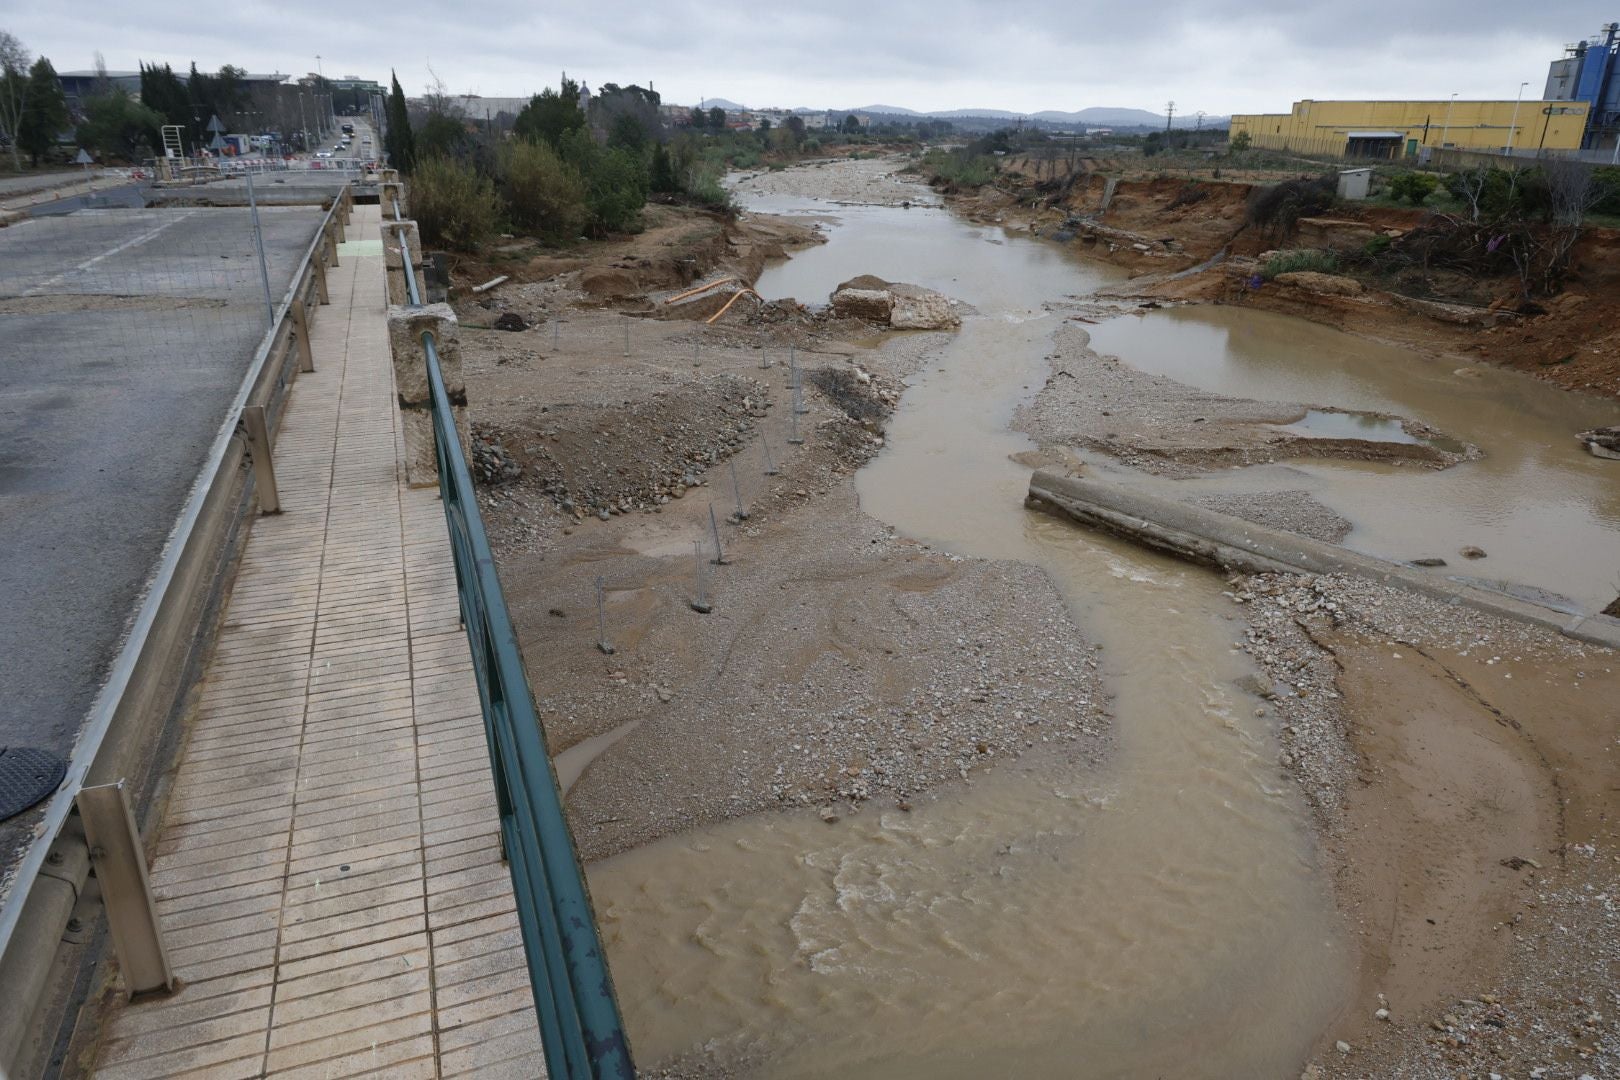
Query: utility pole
[(1515, 125), (1446, 130), (1170, 117)]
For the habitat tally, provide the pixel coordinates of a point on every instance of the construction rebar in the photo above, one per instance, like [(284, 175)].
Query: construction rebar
[(714, 527), (770, 462), (601, 617), (736, 489), (700, 603)]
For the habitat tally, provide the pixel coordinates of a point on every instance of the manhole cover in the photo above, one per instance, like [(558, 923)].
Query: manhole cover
[(27, 775)]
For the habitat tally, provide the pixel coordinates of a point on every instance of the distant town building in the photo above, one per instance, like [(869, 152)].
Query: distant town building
[(1388, 130)]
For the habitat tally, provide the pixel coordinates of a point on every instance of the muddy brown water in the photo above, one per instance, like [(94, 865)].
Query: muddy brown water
[(1164, 915), (1546, 512)]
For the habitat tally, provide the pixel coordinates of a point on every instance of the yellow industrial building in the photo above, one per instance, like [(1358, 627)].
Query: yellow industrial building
[(1397, 129)]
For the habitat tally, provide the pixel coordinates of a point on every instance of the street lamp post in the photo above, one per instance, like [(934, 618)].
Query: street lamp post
[(1514, 127), (1445, 132)]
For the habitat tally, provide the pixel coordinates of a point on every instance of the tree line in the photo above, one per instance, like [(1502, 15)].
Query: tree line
[(554, 170), (112, 122), (33, 109)]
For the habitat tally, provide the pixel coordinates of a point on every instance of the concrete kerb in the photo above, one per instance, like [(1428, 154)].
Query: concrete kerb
[(1217, 539), (406, 325)]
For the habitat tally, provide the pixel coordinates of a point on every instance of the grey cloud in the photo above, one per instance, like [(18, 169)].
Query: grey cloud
[(1216, 55)]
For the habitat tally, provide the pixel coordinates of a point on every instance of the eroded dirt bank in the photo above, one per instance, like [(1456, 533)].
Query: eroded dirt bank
[(1460, 771), (1167, 229)]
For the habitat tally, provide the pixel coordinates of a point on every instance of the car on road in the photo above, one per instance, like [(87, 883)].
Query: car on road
[(323, 153)]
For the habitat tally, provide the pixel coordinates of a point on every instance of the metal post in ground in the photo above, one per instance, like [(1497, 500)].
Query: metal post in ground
[(556, 334), (700, 603), (770, 462), (601, 617), (799, 407), (764, 361), (736, 490), (258, 241), (627, 336), (695, 354), (793, 432), (714, 527)]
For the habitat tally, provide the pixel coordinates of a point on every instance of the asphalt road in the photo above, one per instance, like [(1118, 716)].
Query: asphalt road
[(126, 335)]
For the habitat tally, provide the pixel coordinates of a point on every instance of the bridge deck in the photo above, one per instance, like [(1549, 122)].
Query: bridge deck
[(328, 870)]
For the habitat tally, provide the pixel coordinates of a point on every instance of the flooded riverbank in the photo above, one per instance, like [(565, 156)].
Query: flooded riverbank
[(1163, 914), (943, 787)]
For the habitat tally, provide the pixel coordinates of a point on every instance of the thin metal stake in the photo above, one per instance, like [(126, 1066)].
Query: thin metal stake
[(627, 337), (764, 362), (799, 407), (795, 438), (736, 490), (556, 334), (694, 354), (714, 526), (770, 462), (701, 605), (258, 240), (601, 617)]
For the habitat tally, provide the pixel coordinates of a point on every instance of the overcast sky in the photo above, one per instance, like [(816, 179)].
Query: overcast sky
[(1219, 56)]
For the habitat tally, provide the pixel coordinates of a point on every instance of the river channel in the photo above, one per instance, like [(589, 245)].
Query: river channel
[(1163, 915)]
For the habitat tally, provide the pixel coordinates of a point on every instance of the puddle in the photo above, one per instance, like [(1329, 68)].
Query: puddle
[(1318, 424), (1163, 915), (1535, 486)]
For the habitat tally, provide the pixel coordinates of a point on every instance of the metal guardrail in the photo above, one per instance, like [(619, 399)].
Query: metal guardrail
[(581, 1031), (118, 728)]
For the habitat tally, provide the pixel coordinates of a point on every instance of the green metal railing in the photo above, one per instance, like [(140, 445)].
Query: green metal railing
[(580, 1027)]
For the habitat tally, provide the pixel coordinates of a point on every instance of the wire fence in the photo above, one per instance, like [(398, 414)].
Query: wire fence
[(186, 288)]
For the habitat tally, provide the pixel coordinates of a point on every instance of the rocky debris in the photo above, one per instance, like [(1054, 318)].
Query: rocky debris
[(873, 305), (917, 308), (1471, 552), (1430, 561), (491, 464), (1312, 281), (1603, 442), (855, 392), (511, 321), (904, 307), (616, 458), (1613, 610)]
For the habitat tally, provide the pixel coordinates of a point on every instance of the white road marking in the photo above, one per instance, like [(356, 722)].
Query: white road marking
[(51, 283)]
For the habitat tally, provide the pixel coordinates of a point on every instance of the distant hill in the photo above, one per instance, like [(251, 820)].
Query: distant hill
[(1096, 116)]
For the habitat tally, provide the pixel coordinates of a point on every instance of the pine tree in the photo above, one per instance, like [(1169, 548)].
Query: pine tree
[(398, 140), (45, 113)]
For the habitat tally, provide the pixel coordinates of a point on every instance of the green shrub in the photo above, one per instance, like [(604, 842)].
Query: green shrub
[(542, 192), (616, 183), (704, 187), (1414, 187), (958, 169), (453, 205), (1288, 262), (1377, 245)]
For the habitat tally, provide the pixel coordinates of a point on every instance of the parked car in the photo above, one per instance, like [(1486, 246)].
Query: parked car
[(323, 153)]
